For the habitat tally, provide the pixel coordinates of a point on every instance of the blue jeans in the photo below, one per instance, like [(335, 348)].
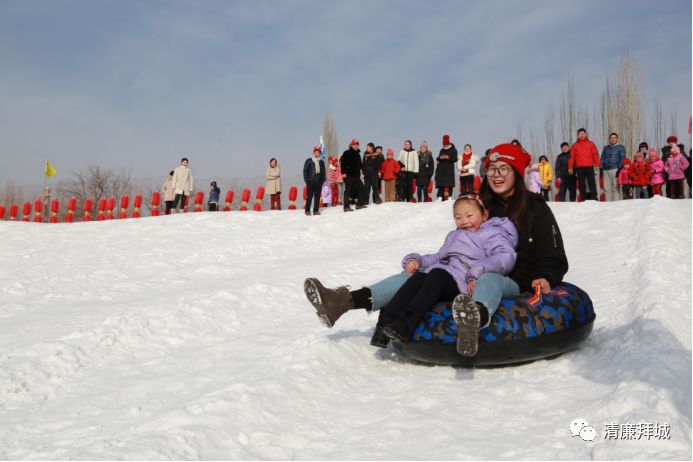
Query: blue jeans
[(640, 192), (383, 291), (490, 288)]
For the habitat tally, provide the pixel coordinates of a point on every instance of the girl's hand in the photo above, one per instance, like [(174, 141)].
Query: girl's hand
[(543, 284), (412, 266), (470, 287)]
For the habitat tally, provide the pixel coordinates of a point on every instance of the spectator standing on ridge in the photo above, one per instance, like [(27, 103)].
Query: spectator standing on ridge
[(467, 168), (546, 174), (334, 177), (372, 161), (611, 160), (445, 169), (639, 174), (666, 152), (351, 172), (389, 171), (584, 159), (657, 167), (567, 178), (169, 193), (314, 175), (410, 158), (624, 180), (213, 202), (676, 166), (181, 183), (426, 168), (274, 184)]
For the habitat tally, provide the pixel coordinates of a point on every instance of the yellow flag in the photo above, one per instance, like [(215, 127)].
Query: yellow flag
[(50, 170)]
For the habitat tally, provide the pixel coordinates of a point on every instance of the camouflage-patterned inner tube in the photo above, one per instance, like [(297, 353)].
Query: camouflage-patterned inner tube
[(523, 329)]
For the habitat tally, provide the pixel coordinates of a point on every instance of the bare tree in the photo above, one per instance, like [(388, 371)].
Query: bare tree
[(550, 134), (657, 122), (568, 112), (673, 123), (629, 105), (329, 136)]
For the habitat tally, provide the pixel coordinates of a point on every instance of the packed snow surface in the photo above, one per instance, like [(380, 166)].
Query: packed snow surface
[(189, 337)]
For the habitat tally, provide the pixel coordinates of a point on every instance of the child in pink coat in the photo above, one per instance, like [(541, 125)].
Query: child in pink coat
[(676, 166), (624, 180), (657, 166)]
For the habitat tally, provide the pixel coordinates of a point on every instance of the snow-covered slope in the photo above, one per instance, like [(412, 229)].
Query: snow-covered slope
[(189, 337)]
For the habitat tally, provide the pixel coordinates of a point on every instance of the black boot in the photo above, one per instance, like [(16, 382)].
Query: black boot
[(379, 339), (398, 330)]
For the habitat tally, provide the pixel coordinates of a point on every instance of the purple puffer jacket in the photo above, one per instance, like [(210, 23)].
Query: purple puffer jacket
[(467, 255)]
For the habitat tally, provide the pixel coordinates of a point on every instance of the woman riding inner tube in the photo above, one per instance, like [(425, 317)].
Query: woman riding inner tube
[(541, 260)]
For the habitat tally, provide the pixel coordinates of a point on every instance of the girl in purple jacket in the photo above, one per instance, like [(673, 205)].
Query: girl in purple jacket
[(478, 245)]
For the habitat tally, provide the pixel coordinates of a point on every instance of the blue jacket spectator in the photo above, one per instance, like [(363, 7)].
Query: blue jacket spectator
[(561, 170), (612, 156)]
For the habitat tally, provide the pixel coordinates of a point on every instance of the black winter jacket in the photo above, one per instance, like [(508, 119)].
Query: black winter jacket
[(371, 164), (426, 166), (540, 251), (309, 175), (445, 172), (351, 162), (561, 169)]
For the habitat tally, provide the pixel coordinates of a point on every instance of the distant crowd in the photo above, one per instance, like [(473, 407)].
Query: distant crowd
[(356, 179)]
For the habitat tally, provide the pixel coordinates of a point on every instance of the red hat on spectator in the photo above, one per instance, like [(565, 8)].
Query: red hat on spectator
[(390, 152), (354, 142), (317, 148), (625, 162), (672, 139), (333, 160), (446, 140), (511, 155)]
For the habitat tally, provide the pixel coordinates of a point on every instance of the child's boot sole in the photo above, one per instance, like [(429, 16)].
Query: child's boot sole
[(465, 312)]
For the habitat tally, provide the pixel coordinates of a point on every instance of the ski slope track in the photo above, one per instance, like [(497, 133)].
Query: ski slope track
[(189, 337)]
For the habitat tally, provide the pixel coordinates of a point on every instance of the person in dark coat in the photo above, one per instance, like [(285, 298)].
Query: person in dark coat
[(426, 168), (372, 161), (213, 202), (567, 183), (351, 172), (445, 170), (314, 174)]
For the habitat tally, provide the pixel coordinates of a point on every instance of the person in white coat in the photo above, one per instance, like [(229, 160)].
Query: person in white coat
[(410, 158), (467, 165), (169, 194), (181, 183)]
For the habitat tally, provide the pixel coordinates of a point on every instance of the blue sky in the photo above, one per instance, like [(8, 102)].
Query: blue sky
[(230, 84)]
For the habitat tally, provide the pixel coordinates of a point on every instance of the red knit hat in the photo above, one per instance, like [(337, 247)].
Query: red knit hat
[(354, 142), (317, 148), (390, 152), (510, 154), (625, 162), (446, 140), (672, 139)]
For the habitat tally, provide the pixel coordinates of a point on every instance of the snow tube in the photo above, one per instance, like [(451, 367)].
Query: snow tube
[(525, 328)]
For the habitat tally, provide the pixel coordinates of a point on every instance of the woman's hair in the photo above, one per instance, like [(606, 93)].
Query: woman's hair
[(472, 200), (516, 206), (272, 159), (543, 157), (171, 172), (372, 146), (470, 146)]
